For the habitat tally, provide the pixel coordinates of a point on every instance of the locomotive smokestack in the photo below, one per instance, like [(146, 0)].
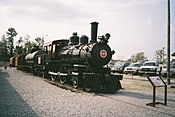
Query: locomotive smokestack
[(94, 29)]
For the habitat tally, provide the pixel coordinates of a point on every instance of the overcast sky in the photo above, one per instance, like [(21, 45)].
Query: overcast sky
[(135, 25)]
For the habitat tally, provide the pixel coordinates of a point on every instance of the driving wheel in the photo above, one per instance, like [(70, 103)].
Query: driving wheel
[(63, 74), (75, 82)]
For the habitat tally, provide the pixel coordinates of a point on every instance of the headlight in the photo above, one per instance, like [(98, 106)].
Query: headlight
[(134, 69), (153, 69)]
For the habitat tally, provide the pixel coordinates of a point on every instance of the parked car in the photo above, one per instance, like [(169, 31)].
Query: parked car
[(150, 68), (133, 68), (172, 70), (119, 67)]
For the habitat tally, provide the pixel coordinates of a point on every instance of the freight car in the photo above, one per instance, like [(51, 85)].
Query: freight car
[(18, 61), (77, 61)]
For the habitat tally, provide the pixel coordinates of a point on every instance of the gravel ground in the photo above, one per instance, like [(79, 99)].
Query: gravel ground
[(25, 95)]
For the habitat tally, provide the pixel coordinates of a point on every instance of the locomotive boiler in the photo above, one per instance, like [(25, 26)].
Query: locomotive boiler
[(82, 62)]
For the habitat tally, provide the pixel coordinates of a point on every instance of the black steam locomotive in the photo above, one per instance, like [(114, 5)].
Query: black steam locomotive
[(76, 61)]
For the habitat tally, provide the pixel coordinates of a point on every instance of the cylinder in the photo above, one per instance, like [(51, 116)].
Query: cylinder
[(94, 29)]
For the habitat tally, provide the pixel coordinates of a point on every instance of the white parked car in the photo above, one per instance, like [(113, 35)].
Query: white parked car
[(150, 68), (133, 68)]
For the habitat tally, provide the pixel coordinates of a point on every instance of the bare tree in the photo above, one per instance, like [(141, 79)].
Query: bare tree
[(138, 56), (20, 41), (160, 55)]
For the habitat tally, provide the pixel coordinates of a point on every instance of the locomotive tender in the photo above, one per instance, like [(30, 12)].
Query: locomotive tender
[(77, 61)]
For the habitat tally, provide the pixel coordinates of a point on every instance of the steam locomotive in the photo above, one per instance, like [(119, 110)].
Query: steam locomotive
[(78, 61)]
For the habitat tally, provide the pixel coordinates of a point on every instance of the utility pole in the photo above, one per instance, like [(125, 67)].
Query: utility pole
[(168, 45)]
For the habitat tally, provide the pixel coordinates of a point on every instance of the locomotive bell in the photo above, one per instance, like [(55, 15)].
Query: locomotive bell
[(104, 38), (74, 39)]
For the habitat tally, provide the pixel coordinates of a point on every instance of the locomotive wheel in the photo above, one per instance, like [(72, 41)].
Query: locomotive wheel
[(62, 78), (53, 77), (87, 85), (75, 83)]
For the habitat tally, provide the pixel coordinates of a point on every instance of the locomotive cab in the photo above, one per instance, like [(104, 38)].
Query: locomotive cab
[(53, 48)]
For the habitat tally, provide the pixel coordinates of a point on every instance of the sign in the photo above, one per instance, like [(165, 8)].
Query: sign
[(156, 81)]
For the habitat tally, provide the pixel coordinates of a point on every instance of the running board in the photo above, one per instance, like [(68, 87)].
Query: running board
[(75, 74), (57, 74), (53, 73)]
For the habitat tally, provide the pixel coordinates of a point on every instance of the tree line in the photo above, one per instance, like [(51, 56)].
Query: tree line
[(9, 49), (159, 56)]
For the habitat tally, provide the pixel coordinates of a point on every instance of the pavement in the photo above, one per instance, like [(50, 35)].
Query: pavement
[(11, 102)]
